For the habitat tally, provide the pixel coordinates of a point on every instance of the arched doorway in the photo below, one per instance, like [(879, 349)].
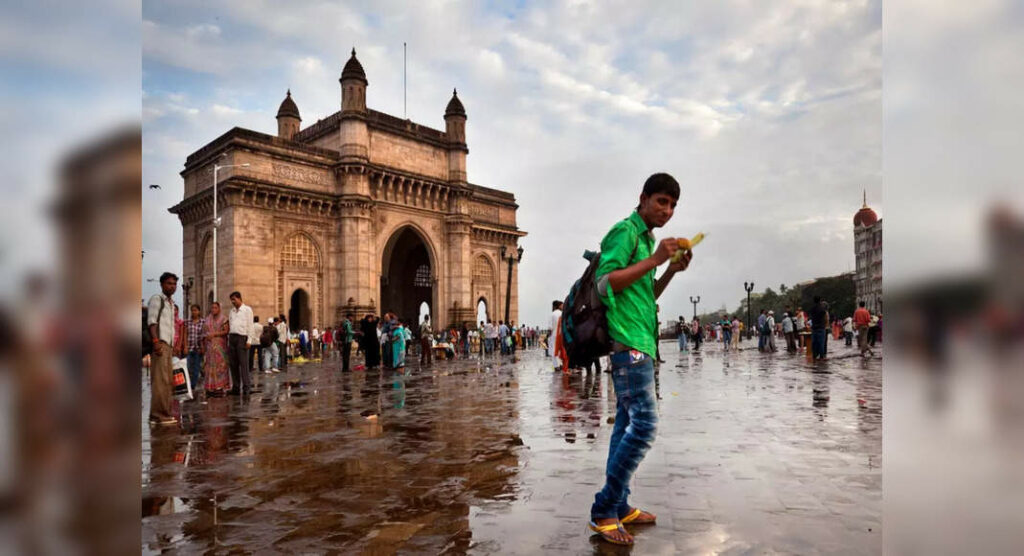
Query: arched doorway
[(407, 276), (481, 311), (299, 313)]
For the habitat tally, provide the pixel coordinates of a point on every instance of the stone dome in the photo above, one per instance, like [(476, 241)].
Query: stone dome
[(455, 107), (288, 108), (353, 69)]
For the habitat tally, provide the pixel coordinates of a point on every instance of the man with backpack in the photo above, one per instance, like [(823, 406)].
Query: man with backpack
[(268, 345), (627, 286)]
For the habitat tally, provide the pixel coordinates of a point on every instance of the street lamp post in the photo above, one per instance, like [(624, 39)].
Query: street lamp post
[(695, 302), (216, 220), (513, 257), (186, 287), (749, 288)]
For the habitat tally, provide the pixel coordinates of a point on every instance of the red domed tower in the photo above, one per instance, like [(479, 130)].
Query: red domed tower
[(867, 242)]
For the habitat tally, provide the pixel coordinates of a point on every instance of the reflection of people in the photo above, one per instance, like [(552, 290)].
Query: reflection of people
[(629, 257)]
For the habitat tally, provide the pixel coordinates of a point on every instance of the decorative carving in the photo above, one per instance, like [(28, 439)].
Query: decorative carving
[(290, 172), (483, 212)]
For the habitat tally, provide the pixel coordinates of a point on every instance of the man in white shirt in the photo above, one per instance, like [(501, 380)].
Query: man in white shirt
[(255, 356), (160, 319), (556, 315), (283, 337), (770, 344), (239, 329)]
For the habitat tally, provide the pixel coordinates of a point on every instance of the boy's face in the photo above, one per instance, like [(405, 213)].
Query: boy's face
[(657, 209)]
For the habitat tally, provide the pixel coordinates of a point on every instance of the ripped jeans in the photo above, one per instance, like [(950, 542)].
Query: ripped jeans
[(636, 422)]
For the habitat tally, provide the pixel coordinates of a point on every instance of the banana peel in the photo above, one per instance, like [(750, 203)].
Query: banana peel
[(686, 244)]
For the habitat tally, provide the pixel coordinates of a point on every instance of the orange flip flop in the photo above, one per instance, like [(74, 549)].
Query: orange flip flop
[(603, 530), (634, 518)]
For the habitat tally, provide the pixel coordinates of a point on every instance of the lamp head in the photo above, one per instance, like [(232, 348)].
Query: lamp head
[(520, 251), (503, 250)]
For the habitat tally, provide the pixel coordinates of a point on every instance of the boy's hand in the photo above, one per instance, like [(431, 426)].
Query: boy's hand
[(682, 263), (666, 248)]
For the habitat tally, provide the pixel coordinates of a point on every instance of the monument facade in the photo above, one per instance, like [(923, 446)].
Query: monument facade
[(361, 211), (867, 238)]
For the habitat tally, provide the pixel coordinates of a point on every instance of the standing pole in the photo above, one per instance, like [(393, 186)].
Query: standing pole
[(508, 287), (405, 83), (215, 169), (749, 288)]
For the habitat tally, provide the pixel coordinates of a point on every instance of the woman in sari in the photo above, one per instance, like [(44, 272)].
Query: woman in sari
[(398, 345), (215, 358)]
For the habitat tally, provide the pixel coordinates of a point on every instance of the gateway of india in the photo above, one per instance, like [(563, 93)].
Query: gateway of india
[(360, 212)]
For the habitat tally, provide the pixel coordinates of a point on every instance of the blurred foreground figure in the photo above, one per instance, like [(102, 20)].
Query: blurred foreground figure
[(76, 366)]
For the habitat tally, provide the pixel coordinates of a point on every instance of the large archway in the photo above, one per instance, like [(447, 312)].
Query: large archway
[(407, 276), (299, 313)]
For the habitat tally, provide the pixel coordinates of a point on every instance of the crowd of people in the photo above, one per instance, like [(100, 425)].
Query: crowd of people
[(795, 329), (222, 349)]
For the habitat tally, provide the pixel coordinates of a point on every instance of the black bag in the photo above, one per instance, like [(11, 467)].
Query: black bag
[(147, 337), (584, 322), (268, 336)]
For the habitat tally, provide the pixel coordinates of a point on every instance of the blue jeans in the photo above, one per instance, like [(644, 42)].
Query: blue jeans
[(818, 343), (636, 422), (195, 368), (726, 337), (682, 342), (271, 357)]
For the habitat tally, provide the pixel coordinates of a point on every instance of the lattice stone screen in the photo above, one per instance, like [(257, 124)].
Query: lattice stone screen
[(300, 252)]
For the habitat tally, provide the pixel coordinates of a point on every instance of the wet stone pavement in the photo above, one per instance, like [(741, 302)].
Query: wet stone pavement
[(755, 454)]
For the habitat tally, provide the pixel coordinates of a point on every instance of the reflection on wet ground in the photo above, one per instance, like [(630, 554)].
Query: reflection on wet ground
[(754, 454)]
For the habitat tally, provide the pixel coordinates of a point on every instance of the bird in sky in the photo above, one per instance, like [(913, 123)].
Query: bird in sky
[(154, 186)]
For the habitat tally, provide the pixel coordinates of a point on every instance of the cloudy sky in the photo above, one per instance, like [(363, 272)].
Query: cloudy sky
[(768, 113)]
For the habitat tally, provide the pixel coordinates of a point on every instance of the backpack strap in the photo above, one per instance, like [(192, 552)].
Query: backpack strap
[(159, 314)]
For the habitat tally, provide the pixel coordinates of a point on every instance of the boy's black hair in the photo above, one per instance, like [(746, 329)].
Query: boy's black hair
[(166, 276), (661, 183)]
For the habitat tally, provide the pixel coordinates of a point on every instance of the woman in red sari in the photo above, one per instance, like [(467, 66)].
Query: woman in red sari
[(215, 356)]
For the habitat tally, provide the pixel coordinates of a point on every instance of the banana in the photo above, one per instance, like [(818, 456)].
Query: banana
[(686, 245)]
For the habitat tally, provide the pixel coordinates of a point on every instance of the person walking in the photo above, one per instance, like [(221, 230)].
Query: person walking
[(799, 324), (343, 337), (215, 352), (370, 344), (762, 335), (862, 321), (397, 331), (736, 330), (626, 282), (161, 329), (254, 346), (283, 342), (326, 342), (770, 332), (194, 345), (426, 342), (848, 330), (819, 326), (268, 347), (696, 334), (726, 328), (787, 331), (503, 336), (239, 329), (681, 333)]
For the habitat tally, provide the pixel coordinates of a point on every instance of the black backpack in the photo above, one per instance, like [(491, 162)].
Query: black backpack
[(147, 338), (584, 323)]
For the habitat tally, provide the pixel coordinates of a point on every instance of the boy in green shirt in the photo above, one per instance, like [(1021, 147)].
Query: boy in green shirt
[(625, 278)]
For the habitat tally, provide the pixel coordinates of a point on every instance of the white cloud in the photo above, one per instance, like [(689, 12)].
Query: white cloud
[(768, 114)]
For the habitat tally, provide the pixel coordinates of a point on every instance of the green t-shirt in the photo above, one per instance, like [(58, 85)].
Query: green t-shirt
[(632, 313)]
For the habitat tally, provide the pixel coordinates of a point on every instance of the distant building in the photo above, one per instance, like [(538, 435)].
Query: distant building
[(867, 241)]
